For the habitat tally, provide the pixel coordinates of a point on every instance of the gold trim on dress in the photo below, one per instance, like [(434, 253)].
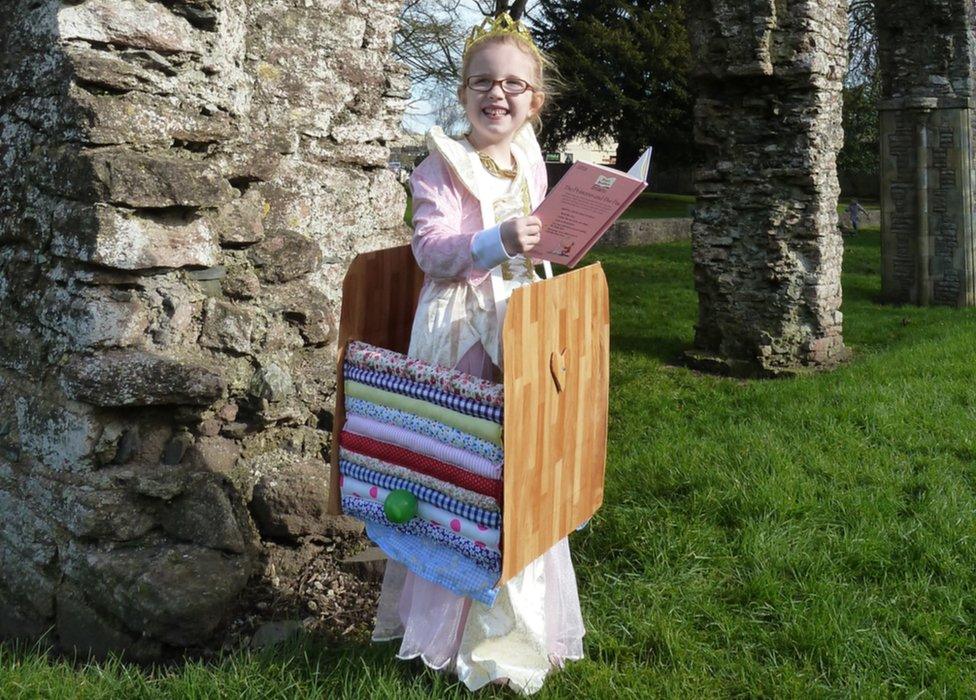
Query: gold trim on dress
[(495, 169)]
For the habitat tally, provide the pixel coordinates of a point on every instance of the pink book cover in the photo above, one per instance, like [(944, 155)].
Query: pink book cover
[(580, 209)]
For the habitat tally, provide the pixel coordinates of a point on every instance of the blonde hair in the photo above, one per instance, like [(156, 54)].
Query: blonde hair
[(547, 81)]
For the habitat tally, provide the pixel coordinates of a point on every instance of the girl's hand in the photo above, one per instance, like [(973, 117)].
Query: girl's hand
[(521, 235)]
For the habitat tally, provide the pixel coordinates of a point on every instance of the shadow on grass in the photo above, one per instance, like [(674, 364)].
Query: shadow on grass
[(303, 667), (667, 349), (651, 295), (356, 670)]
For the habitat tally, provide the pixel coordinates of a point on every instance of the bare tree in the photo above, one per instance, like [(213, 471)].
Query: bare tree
[(862, 43), (491, 8), (448, 112), (430, 40), (515, 9)]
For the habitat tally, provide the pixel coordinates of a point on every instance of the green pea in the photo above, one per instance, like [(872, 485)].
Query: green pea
[(400, 506)]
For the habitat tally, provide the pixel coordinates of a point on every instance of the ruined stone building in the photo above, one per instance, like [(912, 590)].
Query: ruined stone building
[(767, 251), (185, 182)]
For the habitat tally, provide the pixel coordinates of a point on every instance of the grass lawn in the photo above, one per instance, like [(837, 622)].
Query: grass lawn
[(813, 537), (655, 205)]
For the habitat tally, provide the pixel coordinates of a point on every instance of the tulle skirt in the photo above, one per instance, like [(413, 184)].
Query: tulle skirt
[(534, 626)]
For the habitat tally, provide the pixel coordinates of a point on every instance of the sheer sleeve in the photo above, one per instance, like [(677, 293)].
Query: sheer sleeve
[(441, 249)]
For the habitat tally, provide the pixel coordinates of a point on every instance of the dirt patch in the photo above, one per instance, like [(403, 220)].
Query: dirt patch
[(306, 582)]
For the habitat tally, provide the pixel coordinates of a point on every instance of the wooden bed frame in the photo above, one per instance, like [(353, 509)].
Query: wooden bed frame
[(556, 355)]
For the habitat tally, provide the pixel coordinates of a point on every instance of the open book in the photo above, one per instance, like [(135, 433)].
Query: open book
[(583, 205)]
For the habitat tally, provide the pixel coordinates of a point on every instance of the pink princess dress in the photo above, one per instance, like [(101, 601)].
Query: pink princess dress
[(535, 623)]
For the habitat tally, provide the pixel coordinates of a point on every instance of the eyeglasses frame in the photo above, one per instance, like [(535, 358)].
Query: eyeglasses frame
[(500, 82)]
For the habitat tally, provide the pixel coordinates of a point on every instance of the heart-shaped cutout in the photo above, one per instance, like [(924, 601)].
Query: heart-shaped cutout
[(558, 367)]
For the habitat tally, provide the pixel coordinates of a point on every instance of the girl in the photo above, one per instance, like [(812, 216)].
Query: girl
[(471, 203)]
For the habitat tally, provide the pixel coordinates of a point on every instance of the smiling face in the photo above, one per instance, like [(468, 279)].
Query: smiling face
[(495, 116)]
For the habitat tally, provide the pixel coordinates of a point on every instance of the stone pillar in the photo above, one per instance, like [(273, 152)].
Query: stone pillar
[(767, 249), (184, 185), (928, 244)]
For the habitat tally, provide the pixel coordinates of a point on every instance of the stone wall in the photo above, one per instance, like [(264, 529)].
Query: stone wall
[(633, 232), (927, 58), (184, 184), (767, 250)]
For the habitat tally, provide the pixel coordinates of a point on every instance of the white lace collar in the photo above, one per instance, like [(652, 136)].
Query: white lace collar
[(463, 159)]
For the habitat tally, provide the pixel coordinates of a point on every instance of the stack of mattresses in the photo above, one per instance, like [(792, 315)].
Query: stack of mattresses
[(436, 434)]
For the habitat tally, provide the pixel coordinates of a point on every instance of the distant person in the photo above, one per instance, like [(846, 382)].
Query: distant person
[(854, 211)]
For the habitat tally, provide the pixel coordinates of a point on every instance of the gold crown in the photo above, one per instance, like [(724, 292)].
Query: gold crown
[(502, 25)]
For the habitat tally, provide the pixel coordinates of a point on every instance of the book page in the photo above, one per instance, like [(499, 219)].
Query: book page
[(641, 168), (580, 208)]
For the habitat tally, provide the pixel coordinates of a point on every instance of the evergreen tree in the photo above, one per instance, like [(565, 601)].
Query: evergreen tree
[(862, 93), (625, 67), (861, 129)]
